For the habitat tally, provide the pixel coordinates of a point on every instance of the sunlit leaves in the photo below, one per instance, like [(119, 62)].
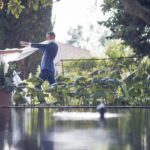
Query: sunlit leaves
[(109, 5), (61, 78), (35, 81), (97, 72), (15, 6), (115, 74), (1, 4)]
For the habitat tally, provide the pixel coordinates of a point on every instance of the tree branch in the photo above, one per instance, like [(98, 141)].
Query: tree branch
[(134, 8)]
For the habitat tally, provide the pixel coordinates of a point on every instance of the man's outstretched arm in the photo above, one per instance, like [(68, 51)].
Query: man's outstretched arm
[(40, 46), (34, 45)]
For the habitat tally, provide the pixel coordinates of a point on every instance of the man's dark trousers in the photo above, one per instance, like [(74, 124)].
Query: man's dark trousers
[(46, 75)]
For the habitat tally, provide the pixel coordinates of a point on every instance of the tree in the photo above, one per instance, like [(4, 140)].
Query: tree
[(16, 7), (30, 26), (116, 48), (76, 36), (131, 29), (136, 8), (87, 38)]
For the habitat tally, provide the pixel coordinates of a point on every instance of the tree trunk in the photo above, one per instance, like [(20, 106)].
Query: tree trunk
[(134, 8)]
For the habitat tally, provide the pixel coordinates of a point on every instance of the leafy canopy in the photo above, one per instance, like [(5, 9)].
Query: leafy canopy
[(116, 48), (131, 29), (16, 7)]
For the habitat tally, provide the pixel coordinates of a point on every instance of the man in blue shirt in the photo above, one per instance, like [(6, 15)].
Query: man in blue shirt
[(49, 53)]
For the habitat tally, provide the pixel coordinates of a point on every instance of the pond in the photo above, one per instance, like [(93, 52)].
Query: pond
[(74, 129)]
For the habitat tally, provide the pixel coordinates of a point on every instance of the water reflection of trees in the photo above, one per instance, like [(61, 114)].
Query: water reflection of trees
[(38, 126), (29, 129), (25, 129), (5, 119), (132, 132)]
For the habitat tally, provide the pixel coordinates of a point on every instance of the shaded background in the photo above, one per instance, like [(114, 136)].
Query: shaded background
[(31, 26)]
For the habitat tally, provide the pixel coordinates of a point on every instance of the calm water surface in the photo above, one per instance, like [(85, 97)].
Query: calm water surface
[(49, 129)]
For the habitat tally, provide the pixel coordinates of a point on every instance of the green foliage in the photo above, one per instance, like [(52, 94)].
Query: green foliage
[(7, 83), (32, 92), (129, 86), (132, 30), (35, 81), (15, 7), (115, 82), (19, 98), (115, 88), (116, 48), (81, 66), (6, 79)]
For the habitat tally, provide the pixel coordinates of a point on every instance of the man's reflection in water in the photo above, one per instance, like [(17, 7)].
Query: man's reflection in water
[(41, 136), (102, 122), (46, 137)]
